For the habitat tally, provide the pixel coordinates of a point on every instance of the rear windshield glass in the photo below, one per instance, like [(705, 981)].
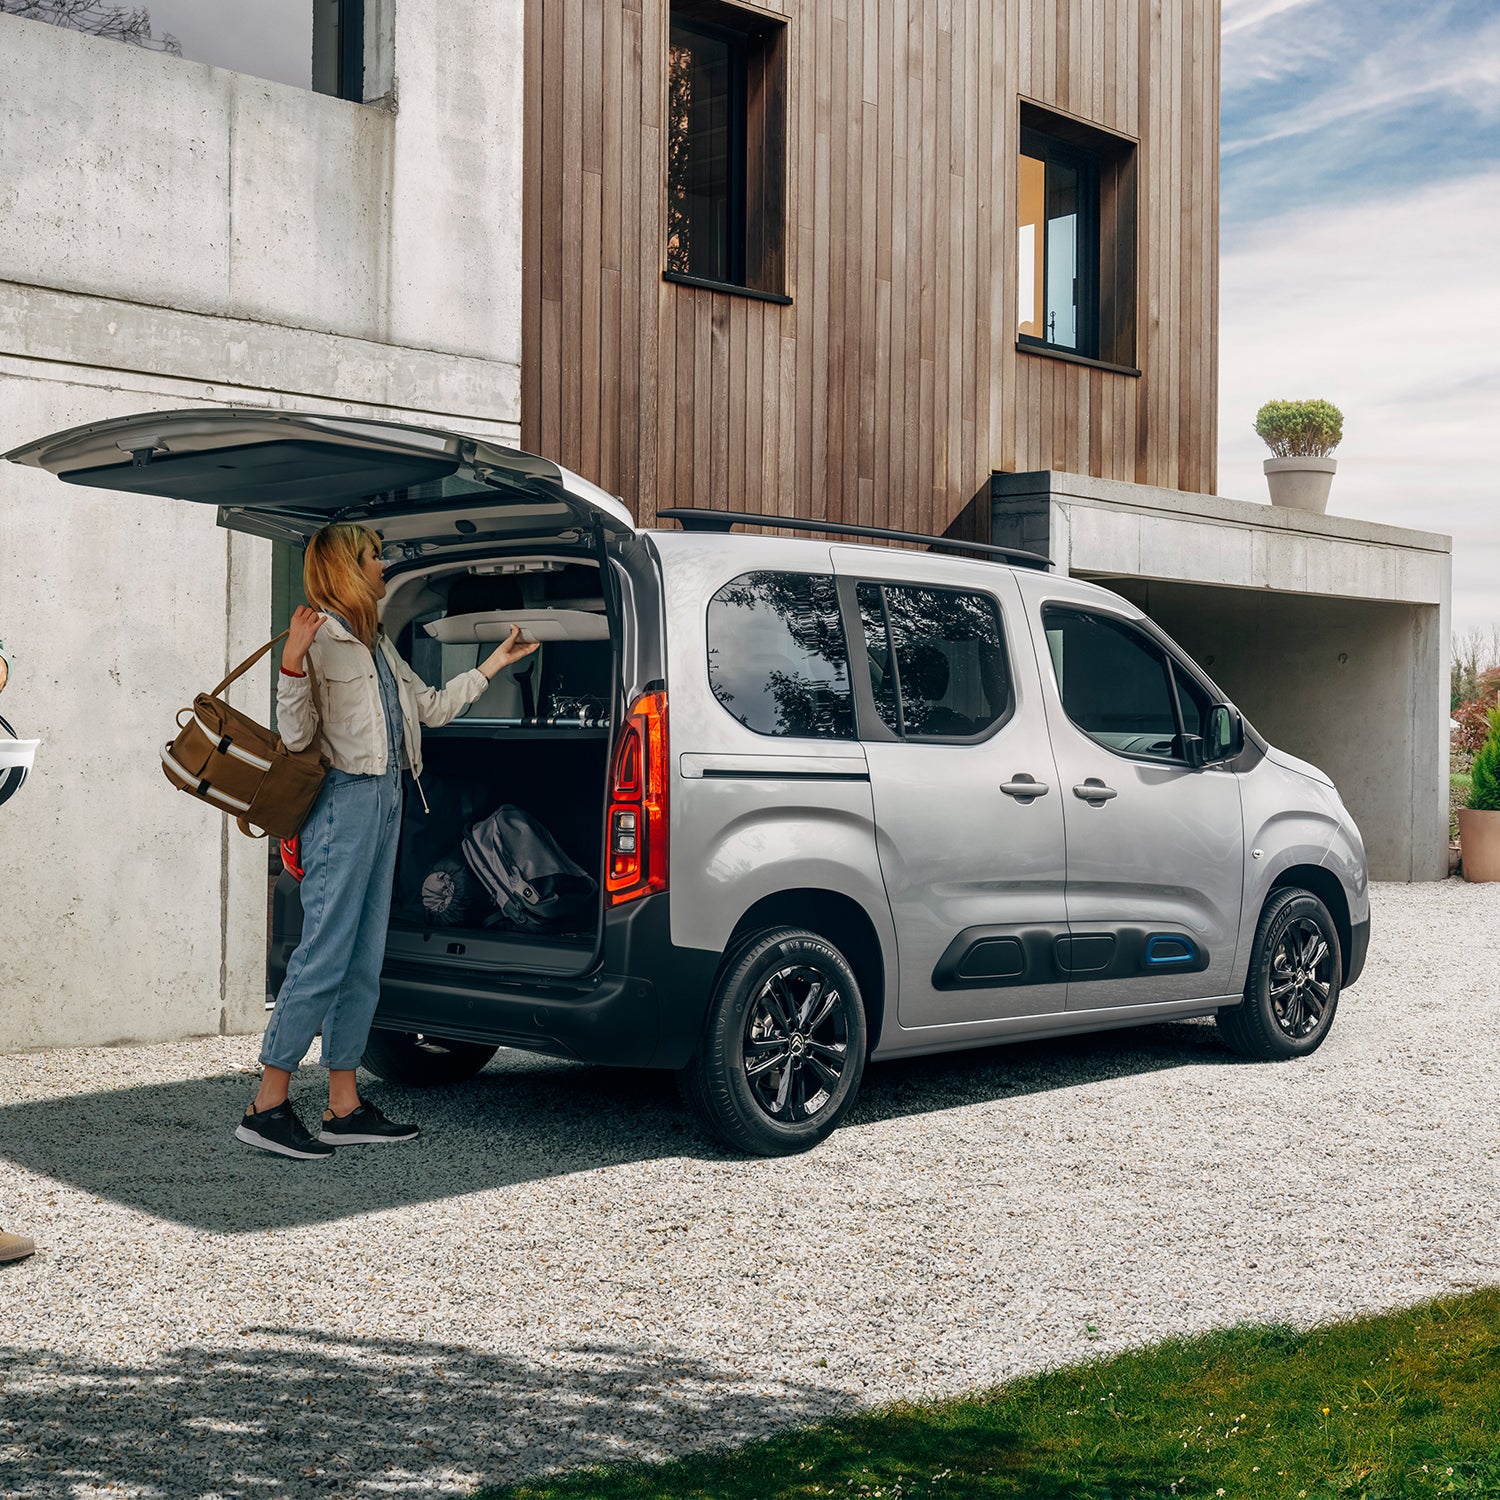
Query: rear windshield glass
[(777, 659)]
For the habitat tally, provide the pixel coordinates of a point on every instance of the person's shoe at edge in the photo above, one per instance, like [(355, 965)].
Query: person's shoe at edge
[(364, 1125), (16, 1246), (278, 1129)]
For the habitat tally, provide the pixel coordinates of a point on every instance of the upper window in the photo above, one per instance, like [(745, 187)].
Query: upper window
[(777, 659), (936, 660), (1119, 687), (311, 44), (1075, 253), (725, 131)]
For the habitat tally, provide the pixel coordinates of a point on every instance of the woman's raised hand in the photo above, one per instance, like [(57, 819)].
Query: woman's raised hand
[(306, 623), (502, 656)]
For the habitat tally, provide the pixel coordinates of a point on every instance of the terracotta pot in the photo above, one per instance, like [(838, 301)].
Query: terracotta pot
[(1300, 483), (1479, 838)]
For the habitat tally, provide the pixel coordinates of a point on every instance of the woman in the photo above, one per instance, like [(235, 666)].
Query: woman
[(363, 705)]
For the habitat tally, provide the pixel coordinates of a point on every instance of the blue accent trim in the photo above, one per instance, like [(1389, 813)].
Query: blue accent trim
[(1172, 940)]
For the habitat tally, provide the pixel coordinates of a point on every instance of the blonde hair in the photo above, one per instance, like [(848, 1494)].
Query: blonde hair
[(333, 580)]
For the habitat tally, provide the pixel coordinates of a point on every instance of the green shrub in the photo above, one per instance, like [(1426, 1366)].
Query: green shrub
[(1484, 778), (1300, 429)]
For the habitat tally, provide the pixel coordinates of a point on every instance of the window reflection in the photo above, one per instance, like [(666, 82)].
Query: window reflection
[(936, 661), (702, 76), (777, 659)]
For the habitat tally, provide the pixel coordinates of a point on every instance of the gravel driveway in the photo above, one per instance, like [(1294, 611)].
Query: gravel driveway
[(561, 1271)]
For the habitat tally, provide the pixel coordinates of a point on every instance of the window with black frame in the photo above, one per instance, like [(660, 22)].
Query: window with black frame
[(936, 659), (1119, 687), (777, 658), (724, 141), (1059, 245), (310, 44), (1075, 249)]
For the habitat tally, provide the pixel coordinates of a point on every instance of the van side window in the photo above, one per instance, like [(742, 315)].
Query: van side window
[(1193, 702), (1116, 683), (936, 660), (777, 658)]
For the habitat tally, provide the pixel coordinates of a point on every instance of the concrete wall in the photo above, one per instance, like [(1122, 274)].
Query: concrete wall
[(174, 234), (1330, 633)]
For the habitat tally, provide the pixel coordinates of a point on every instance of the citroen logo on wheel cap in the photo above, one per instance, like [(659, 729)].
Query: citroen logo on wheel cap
[(799, 1044)]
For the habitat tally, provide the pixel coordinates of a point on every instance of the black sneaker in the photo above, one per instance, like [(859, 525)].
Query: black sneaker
[(364, 1125), (281, 1131)]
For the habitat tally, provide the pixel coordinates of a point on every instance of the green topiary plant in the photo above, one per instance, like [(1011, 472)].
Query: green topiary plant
[(1484, 777), (1300, 429)]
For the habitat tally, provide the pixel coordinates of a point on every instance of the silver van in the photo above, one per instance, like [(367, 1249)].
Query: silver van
[(844, 802)]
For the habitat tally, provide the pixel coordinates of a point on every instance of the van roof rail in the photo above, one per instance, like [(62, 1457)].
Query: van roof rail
[(696, 518)]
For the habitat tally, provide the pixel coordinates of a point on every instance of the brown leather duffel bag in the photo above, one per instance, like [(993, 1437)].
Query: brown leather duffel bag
[(224, 758)]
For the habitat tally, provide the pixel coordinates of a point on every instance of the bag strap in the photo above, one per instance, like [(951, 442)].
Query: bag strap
[(249, 662)]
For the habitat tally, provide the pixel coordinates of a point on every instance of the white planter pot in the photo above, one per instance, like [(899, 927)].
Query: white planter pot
[(1300, 483)]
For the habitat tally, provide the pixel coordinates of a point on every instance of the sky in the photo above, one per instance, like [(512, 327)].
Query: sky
[(1360, 258)]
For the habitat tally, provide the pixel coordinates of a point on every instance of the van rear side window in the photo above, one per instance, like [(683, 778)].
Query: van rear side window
[(937, 660), (777, 658)]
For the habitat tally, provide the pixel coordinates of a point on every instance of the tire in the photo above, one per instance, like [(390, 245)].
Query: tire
[(1292, 989), (423, 1061), (783, 1047)]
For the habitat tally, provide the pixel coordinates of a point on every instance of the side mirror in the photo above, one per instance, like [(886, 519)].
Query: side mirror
[(1225, 736)]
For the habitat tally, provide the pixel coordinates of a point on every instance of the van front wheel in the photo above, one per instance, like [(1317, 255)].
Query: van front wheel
[(423, 1061), (783, 1048), (1292, 990)]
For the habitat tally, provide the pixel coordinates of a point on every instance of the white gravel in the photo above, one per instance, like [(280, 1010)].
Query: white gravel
[(560, 1271)]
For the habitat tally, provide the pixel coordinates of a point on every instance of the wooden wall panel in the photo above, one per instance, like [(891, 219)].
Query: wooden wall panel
[(891, 386)]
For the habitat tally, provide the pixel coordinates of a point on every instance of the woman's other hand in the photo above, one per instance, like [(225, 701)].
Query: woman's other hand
[(512, 651), (306, 623)]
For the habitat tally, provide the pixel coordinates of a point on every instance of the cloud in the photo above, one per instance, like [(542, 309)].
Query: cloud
[(1242, 15), (1389, 308), (1413, 63)]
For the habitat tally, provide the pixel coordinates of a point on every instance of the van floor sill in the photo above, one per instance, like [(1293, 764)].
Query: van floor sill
[(470, 947)]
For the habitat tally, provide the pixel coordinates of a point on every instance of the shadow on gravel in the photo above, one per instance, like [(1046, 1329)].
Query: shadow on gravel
[(169, 1149), (304, 1414)]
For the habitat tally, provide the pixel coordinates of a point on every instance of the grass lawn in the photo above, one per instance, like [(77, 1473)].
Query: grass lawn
[(1404, 1404)]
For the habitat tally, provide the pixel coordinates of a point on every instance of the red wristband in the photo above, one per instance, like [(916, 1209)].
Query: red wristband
[(287, 672)]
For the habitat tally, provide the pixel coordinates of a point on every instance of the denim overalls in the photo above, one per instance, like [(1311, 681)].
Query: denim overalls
[(349, 864)]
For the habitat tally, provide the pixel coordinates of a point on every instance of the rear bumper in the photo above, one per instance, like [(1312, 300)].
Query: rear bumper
[(643, 1007)]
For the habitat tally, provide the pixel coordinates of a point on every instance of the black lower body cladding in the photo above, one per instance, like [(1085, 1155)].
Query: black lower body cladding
[(643, 1008)]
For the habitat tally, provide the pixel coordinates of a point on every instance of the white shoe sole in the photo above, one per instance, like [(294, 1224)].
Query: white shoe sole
[(329, 1139), (253, 1138)]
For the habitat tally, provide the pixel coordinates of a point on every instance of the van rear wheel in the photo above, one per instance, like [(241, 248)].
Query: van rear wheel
[(423, 1061), (1292, 989), (783, 1048)]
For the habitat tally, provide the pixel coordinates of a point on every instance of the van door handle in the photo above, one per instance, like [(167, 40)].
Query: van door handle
[(1094, 790), (1024, 788)]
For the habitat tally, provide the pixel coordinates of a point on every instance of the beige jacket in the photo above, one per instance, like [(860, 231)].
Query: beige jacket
[(351, 728)]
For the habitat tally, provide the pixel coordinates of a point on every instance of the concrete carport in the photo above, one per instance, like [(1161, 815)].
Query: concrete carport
[(1330, 634)]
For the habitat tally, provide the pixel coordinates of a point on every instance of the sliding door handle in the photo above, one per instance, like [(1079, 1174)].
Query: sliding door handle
[(1024, 788), (1094, 790)]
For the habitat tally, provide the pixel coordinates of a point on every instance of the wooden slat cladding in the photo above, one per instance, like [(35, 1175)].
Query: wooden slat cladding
[(891, 386)]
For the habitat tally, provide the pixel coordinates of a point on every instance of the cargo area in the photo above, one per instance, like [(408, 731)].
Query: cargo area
[(538, 740)]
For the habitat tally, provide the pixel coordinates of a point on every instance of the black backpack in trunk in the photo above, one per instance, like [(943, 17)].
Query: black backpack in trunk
[(535, 885)]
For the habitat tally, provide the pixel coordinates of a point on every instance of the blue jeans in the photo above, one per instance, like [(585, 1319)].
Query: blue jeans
[(333, 978)]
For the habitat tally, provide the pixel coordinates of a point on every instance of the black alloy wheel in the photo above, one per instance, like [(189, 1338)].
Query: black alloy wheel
[(410, 1057), (1292, 989), (1301, 980), (796, 1043), (783, 1049)]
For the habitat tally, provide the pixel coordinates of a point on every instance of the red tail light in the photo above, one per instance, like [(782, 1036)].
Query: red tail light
[(291, 857), (637, 828)]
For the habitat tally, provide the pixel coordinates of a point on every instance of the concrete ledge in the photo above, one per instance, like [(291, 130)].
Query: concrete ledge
[(103, 333), (1106, 529)]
